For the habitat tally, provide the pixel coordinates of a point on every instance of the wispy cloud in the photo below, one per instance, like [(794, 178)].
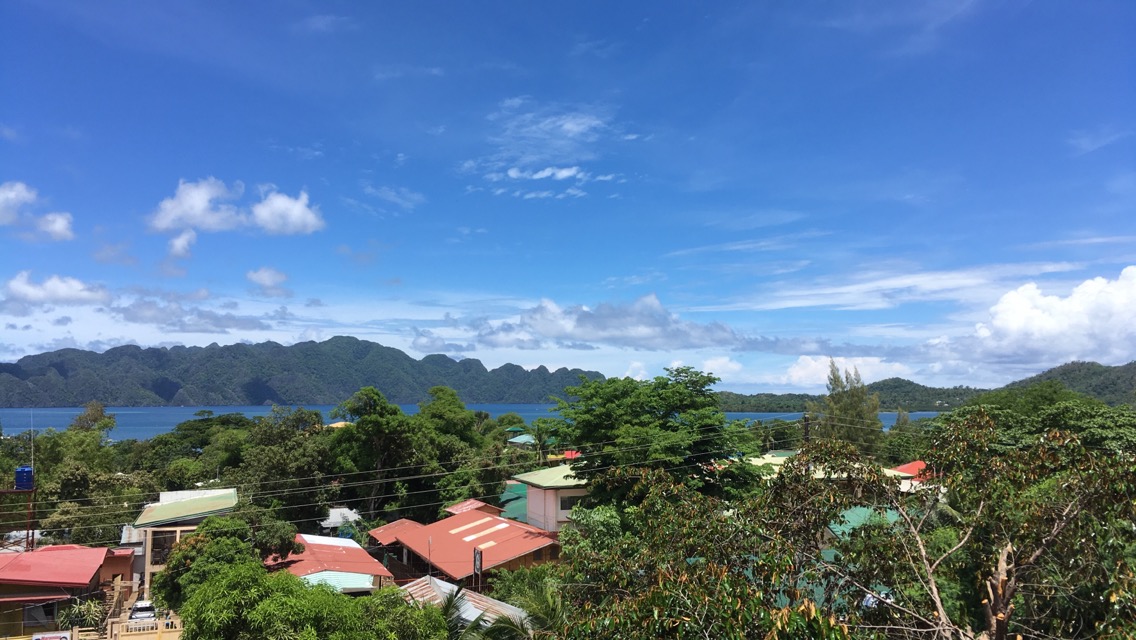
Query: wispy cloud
[(324, 24), (396, 71), (915, 26), (1085, 141), (400, 196)]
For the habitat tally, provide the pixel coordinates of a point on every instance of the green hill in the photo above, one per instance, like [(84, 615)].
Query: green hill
[(1110, 384), (266, 373)]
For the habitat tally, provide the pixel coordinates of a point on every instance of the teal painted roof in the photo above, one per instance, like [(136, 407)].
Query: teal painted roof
[(515, 502), (552, 478), (158, 514), (341, 580), (856, 517)]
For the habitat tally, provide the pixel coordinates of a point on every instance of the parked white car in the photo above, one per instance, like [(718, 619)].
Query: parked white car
[(143, 610)]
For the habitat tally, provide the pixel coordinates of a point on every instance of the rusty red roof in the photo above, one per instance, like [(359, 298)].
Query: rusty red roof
[(388, 533), (914, 469), (323, 553), (448, 544), (472, 505), (64, 566)]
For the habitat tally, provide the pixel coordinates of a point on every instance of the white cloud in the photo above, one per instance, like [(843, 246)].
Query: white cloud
[(724, 367), (54, 290), (13, 196), (400, 196), (557, 173), (56, 226), (1088, 141), (395, 71), (268, 281), (536, 195), (1095, 322), (810, 371), (202, 206), (280, 214), (325, 23), (199, 205), (180, 244)]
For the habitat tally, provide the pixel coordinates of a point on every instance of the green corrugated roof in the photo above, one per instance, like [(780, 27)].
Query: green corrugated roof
[(189, 509), (552, 478), (515, 502), (341, 580), (856, 517)]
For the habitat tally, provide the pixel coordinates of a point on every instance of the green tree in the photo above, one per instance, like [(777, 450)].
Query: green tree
[(671, 423), (93, 418), (849, 412)]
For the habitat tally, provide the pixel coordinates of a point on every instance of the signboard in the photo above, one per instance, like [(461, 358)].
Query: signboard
[(52, 635), (477, 561)]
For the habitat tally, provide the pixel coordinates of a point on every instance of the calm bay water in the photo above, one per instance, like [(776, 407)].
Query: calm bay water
[(145, 422)]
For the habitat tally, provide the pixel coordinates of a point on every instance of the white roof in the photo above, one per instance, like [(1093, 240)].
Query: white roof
[(167, 497), (340, 516), (328, 541)]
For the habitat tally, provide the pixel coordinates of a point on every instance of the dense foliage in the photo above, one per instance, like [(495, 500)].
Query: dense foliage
[(266, 373)]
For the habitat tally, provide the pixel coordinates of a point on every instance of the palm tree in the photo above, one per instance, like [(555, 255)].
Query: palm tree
[(547, 615), (456, 627)]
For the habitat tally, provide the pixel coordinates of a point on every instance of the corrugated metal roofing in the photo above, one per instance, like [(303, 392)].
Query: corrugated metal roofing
[(448, 544), (472, 505), (323, 554), (856, 517), (912, 470), (388, 533), (339, 516), (559, 477), (433, 591), (515, 499), (342, 581), (188, 509), (67, 566)]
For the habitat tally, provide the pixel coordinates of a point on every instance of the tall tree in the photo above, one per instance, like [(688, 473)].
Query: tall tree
[(671, 422), (849, 412)]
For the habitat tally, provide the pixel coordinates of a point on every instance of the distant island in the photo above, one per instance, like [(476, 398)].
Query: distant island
[(330, 371), (267, 373)]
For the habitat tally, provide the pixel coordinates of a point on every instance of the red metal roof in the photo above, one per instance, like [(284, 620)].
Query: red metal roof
[(63, 566), (55, 595), (914, 468), (473, 505), (388, 533), (322, 553), (448, 544)]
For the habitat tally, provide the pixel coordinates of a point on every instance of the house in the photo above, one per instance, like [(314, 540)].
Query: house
[(175, 515), (431, 590), (473, 505), (550, 495), (338, 517), (448, 546), (35, 584), (338, 562)]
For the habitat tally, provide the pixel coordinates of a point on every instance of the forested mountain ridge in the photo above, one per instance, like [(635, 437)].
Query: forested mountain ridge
[(266, 373), (1111, 385)]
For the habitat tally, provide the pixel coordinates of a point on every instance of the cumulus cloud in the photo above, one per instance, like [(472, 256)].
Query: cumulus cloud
[(13, 196), (723, 367), (813, 370), (206, 205), (199, 205), (1094, 322), (56, 226), (280, 214), (180, 244), (268, 281), (425, 341), (54, 290)]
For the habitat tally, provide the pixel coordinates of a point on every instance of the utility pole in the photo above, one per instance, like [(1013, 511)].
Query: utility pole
[(806, 429)]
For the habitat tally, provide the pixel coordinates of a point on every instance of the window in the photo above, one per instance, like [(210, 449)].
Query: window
[(554, 552), (567, 502), (538, 555)]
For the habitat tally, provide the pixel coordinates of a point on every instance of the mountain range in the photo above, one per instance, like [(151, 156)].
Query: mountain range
[(267, 373), (328, 372)]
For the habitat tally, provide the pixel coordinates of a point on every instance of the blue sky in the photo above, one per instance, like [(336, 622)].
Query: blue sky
[(942, 191)]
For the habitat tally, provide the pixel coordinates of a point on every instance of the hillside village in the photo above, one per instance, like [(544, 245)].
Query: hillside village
[(638, 512)]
